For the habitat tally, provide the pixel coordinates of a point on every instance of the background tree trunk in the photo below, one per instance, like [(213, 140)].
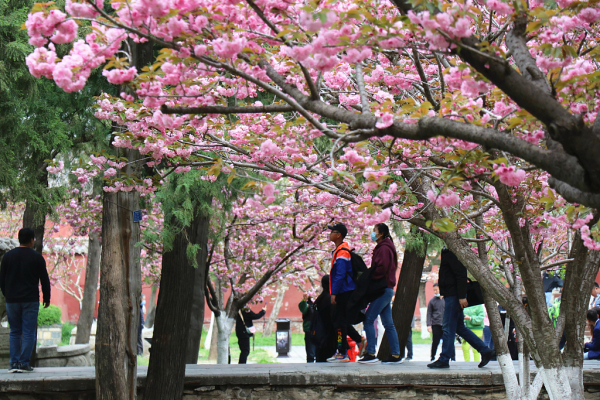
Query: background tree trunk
[(166, 370), (197, 306), (268, 329), (423, 310), (88, 304), (151, 308), (35, 218), (406, 298)]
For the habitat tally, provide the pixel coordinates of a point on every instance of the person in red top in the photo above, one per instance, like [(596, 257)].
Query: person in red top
[(385, 264)]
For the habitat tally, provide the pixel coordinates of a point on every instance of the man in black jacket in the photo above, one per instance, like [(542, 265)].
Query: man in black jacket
[(21, 272), (242, 333), (453, 286)]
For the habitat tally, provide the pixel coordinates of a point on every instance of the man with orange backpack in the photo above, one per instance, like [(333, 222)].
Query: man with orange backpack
[(341, 285)]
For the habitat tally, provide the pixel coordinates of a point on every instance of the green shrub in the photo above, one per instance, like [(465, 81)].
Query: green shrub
[(67, 327), (49, 316)]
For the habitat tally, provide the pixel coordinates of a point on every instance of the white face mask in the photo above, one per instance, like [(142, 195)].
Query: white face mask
[(437, 295)]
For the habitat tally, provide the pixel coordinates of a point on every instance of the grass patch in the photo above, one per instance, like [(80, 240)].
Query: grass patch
[(416, 338), (143, 360), (65, 336)]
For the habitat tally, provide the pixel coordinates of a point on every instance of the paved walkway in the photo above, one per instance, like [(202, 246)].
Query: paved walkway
[(297, 354)]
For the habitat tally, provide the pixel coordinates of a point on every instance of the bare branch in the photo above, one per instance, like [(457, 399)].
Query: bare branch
[(557, 263)]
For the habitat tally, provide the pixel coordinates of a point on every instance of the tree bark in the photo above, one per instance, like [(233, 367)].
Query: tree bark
[(224, 324), (88, 304), (151, 308), (166, 370), (115, 352), (35, 218), (197, 306), (405, 302), (275, 311)]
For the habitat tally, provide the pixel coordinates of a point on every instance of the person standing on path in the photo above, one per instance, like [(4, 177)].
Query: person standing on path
[(21, 272), (385, 264), (341, 285), (453, 286), (435, 319), (474, 317), (307, 308), (244, 330)]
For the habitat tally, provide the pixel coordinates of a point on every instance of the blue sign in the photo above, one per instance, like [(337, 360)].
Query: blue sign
[(137, 216)]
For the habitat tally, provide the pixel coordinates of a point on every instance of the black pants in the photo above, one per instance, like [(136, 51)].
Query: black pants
[(437, 332), (310, 348), (340, 320), (244, 343)]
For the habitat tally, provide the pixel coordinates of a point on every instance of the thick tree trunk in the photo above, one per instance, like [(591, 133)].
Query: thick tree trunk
[(405, 302), (166, 370), (197, 306), (275, 312), (118, 312), (35, 218), (151, 308), (225, 325), (212, 352), (88, 304)]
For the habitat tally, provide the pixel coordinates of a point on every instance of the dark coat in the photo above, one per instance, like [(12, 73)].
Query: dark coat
[(452, 276), (385, 262), (367, 290), (323, 308), (249, 316), (593, 347)]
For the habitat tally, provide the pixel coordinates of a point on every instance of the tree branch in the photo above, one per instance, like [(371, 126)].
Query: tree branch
[(226, 109)]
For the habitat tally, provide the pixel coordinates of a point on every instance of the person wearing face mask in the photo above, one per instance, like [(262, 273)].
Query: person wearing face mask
[(384, 264), (435, 319)]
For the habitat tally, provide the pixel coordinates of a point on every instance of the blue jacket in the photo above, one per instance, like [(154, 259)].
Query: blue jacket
[(340, 280), (593, 347)]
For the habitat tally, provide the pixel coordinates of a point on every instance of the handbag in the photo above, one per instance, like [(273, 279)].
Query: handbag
[(474, 294), (250, 331)]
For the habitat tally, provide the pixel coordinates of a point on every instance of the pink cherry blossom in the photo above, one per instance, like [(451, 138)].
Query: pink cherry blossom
[(385, 121), (510, 176)]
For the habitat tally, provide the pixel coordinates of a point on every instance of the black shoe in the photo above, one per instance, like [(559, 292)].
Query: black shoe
[(408, 359), (25, 368), (486, 358), (14, 367), (393, 360), (369, 359), (439, 364)]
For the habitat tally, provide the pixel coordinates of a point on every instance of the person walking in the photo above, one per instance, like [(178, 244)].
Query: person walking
[(341, 285), (453, 286), (307, 308), (384, 264), (244, 330), (592, 348), (323, 309), (21, 272), (435, 319), (474, 317)]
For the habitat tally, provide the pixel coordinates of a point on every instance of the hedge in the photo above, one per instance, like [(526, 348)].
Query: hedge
[(49, 316)]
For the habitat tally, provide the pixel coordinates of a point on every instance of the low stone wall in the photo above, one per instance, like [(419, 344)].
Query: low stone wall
[(76, 355), (293, 381), (4, 347), (49, 335)]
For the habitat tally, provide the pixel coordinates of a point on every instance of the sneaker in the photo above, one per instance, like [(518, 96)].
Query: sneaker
[(408, 359), (369, 359), (439, 364), (393, 360), (339, 358), (14, 367), (25, 368), (486, 357), (362, 347)]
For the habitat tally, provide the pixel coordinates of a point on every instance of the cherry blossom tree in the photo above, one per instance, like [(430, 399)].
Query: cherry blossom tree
[(472, 120)]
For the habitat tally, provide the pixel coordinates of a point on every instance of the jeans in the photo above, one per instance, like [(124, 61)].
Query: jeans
[(487, 337), (437, 332), (409, 348), (381, 306), (22, 318), (454, 324), (310, 348)]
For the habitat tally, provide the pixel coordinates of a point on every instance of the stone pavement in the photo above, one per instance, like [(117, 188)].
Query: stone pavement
[(297, 354)]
